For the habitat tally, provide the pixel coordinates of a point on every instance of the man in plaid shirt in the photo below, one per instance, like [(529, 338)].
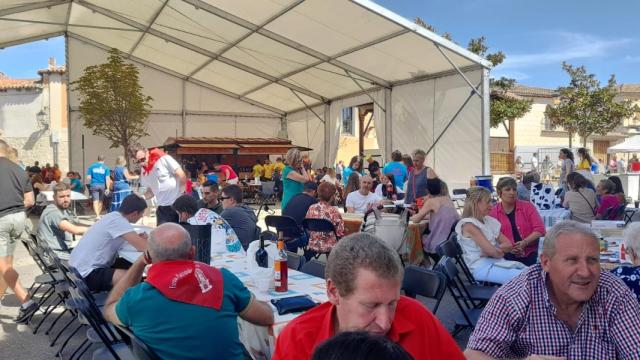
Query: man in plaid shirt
[(562, 308)]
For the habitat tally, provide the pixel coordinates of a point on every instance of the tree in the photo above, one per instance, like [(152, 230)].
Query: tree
[(585, 107), (112, 104)]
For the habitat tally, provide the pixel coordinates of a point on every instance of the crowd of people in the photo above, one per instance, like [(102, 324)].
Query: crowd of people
[(556, 303)]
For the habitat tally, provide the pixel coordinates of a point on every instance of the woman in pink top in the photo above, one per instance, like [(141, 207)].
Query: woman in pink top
[(520, 222), (609, 201)]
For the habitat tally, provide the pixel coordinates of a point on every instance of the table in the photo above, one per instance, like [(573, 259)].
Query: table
[(550, 217), (47, 196), (610, 258), (260, 341)]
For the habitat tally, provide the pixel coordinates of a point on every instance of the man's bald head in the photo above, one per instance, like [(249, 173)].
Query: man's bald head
[(168, 242)]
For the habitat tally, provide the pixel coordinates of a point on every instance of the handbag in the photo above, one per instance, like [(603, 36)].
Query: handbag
[(293, 304)]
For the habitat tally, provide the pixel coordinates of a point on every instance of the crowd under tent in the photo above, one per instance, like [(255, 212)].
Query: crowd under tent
[(275, 68)]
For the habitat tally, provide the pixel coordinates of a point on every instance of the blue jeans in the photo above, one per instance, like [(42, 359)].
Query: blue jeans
[(485, 270)]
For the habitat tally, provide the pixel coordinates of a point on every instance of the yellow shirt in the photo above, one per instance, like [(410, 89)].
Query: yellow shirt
[(584, 165), (258, 170), (279, 167), (268, 170)]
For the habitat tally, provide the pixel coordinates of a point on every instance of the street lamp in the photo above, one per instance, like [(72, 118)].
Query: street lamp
[(41, 117)]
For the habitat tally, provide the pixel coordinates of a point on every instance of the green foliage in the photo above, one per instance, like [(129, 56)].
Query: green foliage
[(585, 107), (112, 104), (505, 106)]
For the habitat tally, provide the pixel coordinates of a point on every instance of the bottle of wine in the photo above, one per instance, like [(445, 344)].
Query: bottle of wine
[(281, 276), (262, 257)]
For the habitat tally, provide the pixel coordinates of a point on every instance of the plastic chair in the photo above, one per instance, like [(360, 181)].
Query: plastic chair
[(424, 282), (314, 268)]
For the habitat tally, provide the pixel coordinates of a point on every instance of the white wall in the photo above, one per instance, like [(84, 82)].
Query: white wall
[(215, 110)]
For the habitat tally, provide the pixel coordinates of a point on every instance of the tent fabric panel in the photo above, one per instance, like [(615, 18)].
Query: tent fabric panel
[(305, 129), (228, 77), (269, 56), (165, 90), (168, 54), (403, 57), (202, 99), (16, 30), (80, 15), (15, 3), (184, 22), (280, 97), (630, 145), (328, 80), (421, 111), (255, 12), (141, 11), (231, 126), (331, 26)]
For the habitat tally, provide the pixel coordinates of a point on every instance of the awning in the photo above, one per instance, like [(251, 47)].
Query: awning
[(631, 145)]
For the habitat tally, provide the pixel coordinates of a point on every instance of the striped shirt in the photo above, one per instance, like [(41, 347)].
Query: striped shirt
[(519, 321)]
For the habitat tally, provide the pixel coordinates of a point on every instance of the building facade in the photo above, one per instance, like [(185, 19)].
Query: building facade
[(33, 116), (533, 132)]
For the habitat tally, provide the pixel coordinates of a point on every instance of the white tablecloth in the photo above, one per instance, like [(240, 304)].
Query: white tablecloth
[(550, 217), (260, 340)]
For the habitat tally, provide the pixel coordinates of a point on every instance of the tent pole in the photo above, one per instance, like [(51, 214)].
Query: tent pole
[(307, 106), (365, 91), (486, 122), (458, 69), (184, 108), (451, 122)]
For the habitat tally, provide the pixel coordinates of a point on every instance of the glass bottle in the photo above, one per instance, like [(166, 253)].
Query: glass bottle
[(280, 268)]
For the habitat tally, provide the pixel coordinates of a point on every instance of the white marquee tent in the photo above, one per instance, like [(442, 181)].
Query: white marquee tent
[(266, 68), (630, 145)]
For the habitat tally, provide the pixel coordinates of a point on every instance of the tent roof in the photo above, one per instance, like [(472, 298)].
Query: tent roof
[(280, 55), (630, 145)]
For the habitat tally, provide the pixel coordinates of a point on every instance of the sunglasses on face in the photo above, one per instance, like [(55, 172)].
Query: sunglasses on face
[(140, 161)]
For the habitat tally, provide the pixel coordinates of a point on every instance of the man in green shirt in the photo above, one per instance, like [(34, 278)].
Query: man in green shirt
[(184, 309)]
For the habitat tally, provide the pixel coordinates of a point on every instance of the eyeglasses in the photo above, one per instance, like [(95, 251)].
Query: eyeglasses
[(224, 198), (140, 161)]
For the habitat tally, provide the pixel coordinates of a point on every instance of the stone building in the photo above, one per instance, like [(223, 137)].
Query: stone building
[(33, 116)]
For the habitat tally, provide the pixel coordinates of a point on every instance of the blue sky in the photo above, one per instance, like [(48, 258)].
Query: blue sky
[(535, 35)]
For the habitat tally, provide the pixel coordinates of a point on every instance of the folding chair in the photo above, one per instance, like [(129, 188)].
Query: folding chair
[(424, 282), (468, 317), (294, 261), (628, 215), (314, 268), (140, 350), (100, 330), (287, 225), (266, 197), (321, 226)]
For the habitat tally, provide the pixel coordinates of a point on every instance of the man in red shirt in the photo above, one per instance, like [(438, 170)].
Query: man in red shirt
[(364, 277)]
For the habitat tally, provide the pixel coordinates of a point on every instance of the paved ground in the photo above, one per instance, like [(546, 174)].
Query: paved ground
[(18, 342)]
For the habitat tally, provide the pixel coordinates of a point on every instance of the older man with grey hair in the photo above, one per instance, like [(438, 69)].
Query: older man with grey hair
[(364, 276), (184, 309), (362, 199), (562, 308)]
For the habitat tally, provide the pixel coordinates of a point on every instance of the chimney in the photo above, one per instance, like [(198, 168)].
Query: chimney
[(52, 63)]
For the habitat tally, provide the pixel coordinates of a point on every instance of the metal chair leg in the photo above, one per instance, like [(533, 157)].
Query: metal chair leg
[(55, 321), (55, 339)]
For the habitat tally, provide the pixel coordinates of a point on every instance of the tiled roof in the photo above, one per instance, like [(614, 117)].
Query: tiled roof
[(630, 88), (225, 140), (7, 83), (53, 69), (529, 91)]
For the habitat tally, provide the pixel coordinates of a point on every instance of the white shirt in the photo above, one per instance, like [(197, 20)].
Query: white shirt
[(162, 181), (99, 245), (534, 162), (471, 251), (359, 202)]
